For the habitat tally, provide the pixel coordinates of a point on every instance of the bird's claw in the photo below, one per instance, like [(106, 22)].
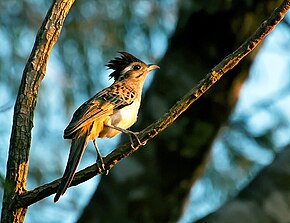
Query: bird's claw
[(135, 134), (101, 167)]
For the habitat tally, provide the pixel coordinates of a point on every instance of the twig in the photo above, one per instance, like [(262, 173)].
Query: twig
[(151, 131)]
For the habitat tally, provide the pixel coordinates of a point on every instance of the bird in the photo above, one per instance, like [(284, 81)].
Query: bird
[(108, 113)]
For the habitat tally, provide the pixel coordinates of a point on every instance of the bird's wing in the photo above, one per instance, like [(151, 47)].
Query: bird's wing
[(102, 104)]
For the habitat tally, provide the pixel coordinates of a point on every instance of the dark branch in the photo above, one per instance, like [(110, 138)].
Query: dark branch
[(151, 131)]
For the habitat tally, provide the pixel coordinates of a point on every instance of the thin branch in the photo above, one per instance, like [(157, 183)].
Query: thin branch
[(20, 141), (151, 131)]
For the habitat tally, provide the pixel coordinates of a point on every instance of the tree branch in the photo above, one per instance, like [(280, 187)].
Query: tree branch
[(20, 141), (155, 128)]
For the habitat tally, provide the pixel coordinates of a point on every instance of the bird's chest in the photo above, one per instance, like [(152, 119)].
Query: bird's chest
[(127, 116)]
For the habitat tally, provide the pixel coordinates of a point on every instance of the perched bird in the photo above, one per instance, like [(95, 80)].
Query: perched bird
[(109, 112)]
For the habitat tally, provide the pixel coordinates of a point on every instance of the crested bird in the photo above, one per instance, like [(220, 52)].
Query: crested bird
[(106, 114)]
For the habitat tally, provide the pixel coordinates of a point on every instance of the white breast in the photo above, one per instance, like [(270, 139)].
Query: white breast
[(123, 118), (127, 116)]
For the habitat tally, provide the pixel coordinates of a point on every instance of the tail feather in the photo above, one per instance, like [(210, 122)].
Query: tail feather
[(77, 149)]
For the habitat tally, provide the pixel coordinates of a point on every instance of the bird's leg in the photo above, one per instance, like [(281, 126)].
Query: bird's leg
[(100, 157), (129, 133)]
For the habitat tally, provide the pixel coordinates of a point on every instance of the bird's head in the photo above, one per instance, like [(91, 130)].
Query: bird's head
[(128, 66)]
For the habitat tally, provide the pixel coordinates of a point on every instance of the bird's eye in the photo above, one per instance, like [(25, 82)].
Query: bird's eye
[(136, 67)]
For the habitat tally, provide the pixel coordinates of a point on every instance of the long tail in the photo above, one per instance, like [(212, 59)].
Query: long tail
[(77, 149)]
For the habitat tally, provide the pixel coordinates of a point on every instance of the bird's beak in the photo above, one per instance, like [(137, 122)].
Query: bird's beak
[(152, 67)]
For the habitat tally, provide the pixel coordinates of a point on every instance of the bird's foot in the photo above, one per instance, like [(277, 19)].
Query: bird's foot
[(130, 133), (135, 134), (100, 159), (101, 165)]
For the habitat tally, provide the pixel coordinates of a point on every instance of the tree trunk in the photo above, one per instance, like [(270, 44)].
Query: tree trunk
[(20, 141)]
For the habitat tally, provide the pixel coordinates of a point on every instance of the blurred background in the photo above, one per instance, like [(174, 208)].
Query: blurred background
[(199, 165)]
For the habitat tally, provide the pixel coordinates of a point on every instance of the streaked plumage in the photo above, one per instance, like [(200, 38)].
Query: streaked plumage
[(110, 111)]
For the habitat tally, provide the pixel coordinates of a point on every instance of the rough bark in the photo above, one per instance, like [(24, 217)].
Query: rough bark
[(20, 141)]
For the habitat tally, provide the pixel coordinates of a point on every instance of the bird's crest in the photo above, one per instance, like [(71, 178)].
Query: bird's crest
[(120, 63)]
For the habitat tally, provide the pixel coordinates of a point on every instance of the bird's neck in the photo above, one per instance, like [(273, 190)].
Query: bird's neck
[(133, 84)]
